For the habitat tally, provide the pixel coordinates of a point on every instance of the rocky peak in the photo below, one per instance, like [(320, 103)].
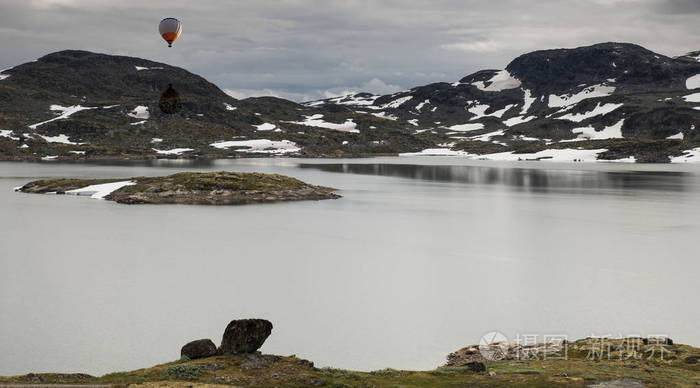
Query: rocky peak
[(103, 77), (630, 67)]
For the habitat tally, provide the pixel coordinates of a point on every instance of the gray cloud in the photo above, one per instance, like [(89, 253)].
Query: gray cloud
[(304, 49)]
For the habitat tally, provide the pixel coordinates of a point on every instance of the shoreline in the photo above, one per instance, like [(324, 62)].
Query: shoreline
[(619, 361)]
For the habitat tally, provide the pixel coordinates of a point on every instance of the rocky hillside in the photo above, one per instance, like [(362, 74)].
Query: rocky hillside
[(610, 101), (77, 104), (619, 98)]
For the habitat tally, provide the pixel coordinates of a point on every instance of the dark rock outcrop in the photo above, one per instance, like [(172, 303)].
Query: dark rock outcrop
[(476, 367), (245, 336), (198, 349)]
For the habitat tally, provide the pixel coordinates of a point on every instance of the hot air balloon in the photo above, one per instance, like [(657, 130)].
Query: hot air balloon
[(170, 29)]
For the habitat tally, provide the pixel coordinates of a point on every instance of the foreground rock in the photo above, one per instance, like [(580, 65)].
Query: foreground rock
[(658, 364), (198, 349), (211, 188), (245, 336)]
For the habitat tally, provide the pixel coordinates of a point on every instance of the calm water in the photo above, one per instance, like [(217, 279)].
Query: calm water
[(420, 258)]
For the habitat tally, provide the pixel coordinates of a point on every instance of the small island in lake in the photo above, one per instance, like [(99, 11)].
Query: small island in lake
[(206, 188)]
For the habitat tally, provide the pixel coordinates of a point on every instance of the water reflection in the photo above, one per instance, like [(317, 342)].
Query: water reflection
[(170, 101), (526, 179)]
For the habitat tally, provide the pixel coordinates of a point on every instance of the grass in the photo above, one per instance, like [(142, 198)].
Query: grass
[(222, 180), (576, 371)]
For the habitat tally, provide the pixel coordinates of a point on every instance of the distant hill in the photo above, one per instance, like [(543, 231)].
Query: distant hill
[(617, 96), (606, 101)]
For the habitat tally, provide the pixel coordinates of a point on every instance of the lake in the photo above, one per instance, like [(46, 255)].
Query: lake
[(420, 257)]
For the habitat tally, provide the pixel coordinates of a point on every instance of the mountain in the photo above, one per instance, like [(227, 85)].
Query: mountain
[(77, 104), (614, 96), (608, 101)]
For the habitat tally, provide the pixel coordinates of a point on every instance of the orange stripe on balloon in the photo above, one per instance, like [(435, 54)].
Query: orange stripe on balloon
[(170, 36)]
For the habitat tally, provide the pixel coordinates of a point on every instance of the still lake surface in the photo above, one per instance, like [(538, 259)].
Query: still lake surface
[(420, 257)]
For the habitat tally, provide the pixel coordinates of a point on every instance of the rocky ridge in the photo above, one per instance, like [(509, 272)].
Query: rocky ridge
[(619, 99), (609, 101)]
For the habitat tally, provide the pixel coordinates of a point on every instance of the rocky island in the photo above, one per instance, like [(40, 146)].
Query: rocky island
[(590, 362), (205, 188)]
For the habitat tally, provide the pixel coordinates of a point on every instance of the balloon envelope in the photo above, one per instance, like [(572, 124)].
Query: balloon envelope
[(170, 29)]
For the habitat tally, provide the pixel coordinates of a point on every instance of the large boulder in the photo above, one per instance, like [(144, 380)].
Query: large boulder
[(198, 349), (245, 336)]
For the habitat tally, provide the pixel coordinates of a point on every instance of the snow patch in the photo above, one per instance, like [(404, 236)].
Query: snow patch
[(678, 136), (140, 112), (100, 191), (693, 82), (597, 111), (229, 106), (396, 103), (518, 120), (265, 127), (156, 140), (57, 139), (479, 110), (553, 155), (413, 122), (139, 68), (385, 115), (589, 133), (689, 156), (260, 146), (466, 127), (528, 100), (422, 104), (695, 97), (66, 111), (589, 92), (174, 151), (139, 122), (8, 134), (436, 152), (315, 121), (488, 136), (500, 81)]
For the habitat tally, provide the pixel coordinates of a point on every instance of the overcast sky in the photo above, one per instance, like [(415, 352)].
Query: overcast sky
[(308, 49)]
